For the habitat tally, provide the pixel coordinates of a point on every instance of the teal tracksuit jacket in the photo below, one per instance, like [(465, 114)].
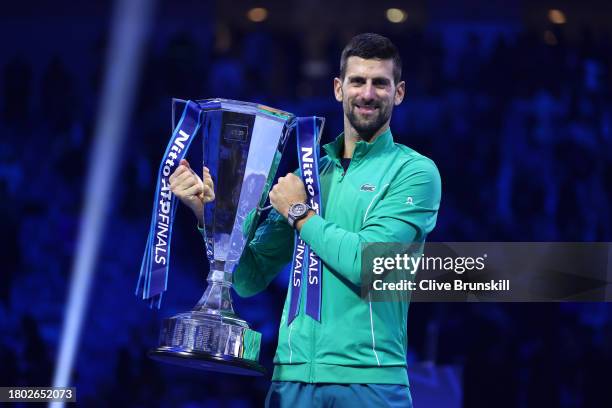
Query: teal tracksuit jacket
[(389, 193)]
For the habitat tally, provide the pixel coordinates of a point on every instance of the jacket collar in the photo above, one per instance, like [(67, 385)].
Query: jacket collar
[(362, 148)]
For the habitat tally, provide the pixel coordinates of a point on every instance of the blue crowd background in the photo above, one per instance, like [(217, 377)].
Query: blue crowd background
[(516, 112)]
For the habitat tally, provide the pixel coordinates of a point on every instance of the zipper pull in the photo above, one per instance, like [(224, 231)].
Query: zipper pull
[(338, 165)]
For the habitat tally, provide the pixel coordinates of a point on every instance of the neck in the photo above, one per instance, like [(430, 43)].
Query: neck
[(351, 137)]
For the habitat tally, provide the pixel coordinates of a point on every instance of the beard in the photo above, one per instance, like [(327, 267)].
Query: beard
[(367, 126)]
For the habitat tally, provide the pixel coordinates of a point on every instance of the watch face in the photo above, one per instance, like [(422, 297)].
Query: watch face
[(298, 209)]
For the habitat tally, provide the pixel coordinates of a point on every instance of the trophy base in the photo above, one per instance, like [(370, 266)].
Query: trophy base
[(209, 362), (209, 340)]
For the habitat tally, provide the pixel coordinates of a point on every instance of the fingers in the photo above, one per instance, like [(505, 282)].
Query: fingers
[(206, 173), (187, 184), (288, 176), (273, 195), (179, 170), (207, 178), (278, 200), (289, 189), (292, 178), (209, 183), (289, 179), (208, 190), (194, 190), (208, 194), (184, 180)]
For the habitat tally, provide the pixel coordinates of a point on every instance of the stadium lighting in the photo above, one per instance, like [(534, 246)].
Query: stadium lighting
[(556, 16), (396, 15), (123, 61), (257, 14)]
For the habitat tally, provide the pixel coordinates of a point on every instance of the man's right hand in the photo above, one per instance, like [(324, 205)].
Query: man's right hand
[(190, 189)]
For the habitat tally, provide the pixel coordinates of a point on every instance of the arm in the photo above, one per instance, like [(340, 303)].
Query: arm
[(264, 256), (392, 219)]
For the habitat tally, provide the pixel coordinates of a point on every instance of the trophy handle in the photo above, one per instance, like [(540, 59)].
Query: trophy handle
[(262, 209)]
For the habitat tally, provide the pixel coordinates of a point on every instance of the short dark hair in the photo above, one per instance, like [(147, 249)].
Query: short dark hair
[(372, 46)]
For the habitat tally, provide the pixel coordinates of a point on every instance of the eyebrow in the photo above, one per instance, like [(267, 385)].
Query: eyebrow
[(375, 80)]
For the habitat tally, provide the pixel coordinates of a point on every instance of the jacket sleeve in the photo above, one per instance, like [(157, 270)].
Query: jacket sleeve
[(264, 256), (405, 212)]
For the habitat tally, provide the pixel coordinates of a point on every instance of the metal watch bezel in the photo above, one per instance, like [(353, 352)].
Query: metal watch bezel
[(293, 216)]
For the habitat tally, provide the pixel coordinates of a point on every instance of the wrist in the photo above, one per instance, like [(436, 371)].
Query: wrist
[(199, 214), (291, 203), (296, 212), (299, 223)]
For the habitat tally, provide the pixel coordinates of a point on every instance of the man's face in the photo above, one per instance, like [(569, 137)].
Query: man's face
[(368, 94)]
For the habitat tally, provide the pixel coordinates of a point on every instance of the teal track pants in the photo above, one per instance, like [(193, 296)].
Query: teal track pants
[(287, 394)]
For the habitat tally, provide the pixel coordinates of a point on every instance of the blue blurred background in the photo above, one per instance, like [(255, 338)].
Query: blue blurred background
[(511, 99)]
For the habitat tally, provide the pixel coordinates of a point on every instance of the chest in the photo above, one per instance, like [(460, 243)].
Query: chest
[(348, 196)]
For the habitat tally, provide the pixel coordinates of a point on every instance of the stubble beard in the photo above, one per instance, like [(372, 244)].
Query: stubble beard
[(367, 127)]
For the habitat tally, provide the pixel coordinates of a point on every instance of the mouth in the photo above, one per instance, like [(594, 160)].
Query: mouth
[(365, 109)]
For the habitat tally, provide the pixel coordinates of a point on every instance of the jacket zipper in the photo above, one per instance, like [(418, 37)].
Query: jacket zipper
[(344, 171), (313, 332)]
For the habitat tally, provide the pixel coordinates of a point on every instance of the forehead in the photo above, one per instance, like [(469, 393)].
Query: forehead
[(369, 68)]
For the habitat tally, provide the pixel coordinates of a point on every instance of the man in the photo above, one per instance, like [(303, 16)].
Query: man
[(373, 190)]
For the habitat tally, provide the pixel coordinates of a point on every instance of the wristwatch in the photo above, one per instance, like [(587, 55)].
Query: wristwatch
[(297, 211)]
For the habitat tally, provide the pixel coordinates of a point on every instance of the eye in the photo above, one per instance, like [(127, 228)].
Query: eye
[(357, 81), (381, 82)]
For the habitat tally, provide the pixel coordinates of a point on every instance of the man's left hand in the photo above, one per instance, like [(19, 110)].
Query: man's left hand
[(289, 190)]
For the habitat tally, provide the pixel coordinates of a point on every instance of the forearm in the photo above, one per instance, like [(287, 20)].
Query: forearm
[(255, 271), (300, 223), (391, 219), (264, 257), (341, 249)]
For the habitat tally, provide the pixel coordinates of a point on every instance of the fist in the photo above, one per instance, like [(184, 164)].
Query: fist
[(192, 190), (289, 190)]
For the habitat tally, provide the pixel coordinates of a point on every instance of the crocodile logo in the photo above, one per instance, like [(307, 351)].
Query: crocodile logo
[(367, 187)]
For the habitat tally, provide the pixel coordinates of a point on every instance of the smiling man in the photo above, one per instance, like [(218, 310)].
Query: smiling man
[(373, 190)]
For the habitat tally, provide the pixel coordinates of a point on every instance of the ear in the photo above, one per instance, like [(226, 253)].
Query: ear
[(400, 91), (338, 89)]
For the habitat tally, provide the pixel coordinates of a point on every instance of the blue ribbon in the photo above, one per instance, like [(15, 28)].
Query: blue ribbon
[(153, 278), (305, 260)]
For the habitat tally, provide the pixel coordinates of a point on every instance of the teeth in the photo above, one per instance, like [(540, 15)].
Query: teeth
[(365, 107)]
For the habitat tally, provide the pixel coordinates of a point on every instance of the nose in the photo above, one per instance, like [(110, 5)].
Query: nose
[(368, 92)]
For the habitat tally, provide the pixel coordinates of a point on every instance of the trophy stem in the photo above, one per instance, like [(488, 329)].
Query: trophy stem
[(217, 297)]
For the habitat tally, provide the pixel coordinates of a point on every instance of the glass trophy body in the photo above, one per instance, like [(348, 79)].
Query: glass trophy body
[(243, 144)]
